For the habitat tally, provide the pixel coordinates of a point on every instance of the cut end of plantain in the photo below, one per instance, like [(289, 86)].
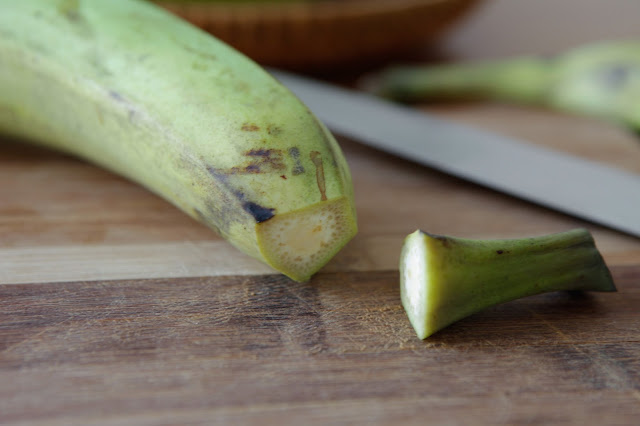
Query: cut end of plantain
[(445, 279), (414, 281), (300, 242)]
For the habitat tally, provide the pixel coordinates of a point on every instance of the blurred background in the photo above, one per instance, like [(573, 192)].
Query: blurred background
[(330, 36), (499, 28)]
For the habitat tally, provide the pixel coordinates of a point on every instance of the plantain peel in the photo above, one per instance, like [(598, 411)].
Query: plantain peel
[(134, 89), (444, 279)]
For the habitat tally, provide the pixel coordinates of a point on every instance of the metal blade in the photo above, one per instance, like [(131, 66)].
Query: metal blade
[(579, 187)]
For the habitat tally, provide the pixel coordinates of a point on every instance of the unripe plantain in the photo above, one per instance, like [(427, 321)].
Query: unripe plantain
[(444, 279), (601, 80), (128, 86)]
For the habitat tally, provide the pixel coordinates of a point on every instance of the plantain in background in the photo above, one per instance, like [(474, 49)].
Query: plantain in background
[(600, 80), (130, 87)]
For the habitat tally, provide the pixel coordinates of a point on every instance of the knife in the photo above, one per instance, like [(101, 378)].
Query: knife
[(579, 187)]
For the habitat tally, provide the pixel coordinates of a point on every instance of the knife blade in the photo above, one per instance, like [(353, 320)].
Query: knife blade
[(579, 187)]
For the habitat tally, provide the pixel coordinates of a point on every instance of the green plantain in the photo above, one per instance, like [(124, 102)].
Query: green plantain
[(444, 279), (130, 87), (601, 80)]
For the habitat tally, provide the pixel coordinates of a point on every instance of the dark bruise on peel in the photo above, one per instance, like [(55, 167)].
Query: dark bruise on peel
[(224, 209), (298, 168), (316, 158), (258, 212), (252, 168), (262, 152)]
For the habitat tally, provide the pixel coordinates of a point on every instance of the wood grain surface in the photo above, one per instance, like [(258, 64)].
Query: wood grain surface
[(117, 309), (264, 350)]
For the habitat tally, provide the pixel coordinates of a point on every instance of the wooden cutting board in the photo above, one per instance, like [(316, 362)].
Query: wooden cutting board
[(115, 308)]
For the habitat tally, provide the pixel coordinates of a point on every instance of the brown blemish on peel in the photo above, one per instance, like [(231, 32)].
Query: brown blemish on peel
[(273, 130), (268, 160), (260, 161), (250, 127), (316, 158)]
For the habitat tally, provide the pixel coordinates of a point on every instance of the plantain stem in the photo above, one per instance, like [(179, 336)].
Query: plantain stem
[(520, 80), (598, 80), (444, 279)]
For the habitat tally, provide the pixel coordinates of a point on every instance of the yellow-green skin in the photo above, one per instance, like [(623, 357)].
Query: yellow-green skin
[(600, 80), (451, 278), (130, 87)]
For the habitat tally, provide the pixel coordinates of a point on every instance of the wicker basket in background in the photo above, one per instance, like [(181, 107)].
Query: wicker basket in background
[(322, 33)]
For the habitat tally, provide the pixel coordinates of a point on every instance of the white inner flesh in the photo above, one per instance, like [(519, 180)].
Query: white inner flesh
[(299, 242), (414, 283)]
